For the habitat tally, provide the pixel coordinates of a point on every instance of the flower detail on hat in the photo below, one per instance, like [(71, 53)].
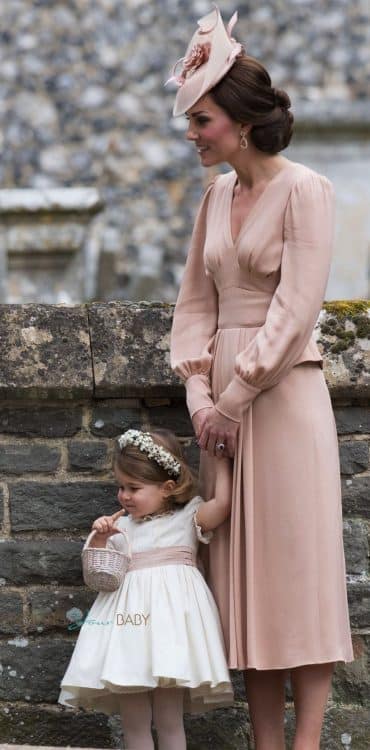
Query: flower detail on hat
[(197, 57)]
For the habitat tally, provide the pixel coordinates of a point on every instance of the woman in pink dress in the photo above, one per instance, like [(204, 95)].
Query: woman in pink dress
[(242, 342)]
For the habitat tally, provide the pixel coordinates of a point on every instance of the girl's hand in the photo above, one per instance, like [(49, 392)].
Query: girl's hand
[(198, 420), (104, 526), (218, 429)]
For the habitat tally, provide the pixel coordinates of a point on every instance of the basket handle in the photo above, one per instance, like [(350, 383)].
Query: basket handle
[(120, 531)]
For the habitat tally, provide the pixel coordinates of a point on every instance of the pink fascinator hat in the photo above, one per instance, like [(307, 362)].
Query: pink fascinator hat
[(211, 53)]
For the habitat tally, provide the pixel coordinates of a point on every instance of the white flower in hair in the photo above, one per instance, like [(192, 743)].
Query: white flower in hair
[(145, 443)]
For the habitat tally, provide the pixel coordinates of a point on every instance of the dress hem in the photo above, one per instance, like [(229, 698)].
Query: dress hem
[(294, 664)]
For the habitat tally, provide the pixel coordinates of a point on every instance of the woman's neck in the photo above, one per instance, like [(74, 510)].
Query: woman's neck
[(254, 170)]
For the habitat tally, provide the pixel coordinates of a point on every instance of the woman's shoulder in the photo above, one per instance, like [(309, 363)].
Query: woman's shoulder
[(307, 178), (219, 183), (309, 191)]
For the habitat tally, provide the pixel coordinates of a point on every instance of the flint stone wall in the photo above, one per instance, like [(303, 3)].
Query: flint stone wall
[(71, 379), (82, 103)]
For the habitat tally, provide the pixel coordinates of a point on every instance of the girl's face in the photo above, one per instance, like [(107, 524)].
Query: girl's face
[(140, 498), (216, 136)]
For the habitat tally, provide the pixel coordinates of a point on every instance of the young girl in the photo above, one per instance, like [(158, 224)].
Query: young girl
[(155, 647)]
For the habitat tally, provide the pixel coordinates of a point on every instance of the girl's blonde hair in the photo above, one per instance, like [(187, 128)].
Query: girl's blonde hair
[(135, 463)]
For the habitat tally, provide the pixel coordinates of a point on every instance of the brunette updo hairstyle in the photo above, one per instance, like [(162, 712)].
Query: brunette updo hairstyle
[(247, 96), (137, 465)]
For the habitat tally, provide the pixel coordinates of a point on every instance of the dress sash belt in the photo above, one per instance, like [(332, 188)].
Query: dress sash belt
[(162, 556)]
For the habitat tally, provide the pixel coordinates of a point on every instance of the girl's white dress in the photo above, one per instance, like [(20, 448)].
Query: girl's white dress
[(161, 628)]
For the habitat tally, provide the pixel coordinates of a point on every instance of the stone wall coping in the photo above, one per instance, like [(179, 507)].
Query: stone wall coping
[(121, 349), (34, 200)]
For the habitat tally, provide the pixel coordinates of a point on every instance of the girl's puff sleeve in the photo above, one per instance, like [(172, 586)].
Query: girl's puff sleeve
[(192, 509), (195, 320), (295, 306)]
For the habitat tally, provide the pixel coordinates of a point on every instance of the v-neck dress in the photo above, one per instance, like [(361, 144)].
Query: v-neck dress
[(242, 340)]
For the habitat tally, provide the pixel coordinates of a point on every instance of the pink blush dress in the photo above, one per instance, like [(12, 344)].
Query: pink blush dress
[(242, 340)]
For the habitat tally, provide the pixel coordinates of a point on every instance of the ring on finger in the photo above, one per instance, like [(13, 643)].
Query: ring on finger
[(220, 446)]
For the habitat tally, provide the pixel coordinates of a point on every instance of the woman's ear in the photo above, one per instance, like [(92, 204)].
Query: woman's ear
[(168, 487)]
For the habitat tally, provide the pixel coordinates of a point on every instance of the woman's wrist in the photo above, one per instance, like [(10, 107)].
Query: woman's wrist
[(236, 398), (198, 393)]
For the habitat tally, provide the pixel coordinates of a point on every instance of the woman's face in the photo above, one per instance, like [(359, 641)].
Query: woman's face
[(215, 135)]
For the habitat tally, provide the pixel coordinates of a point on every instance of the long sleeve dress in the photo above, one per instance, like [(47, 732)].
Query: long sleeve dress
[(242, 340)]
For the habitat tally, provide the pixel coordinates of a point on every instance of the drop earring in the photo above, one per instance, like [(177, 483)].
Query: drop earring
[(243, 140)]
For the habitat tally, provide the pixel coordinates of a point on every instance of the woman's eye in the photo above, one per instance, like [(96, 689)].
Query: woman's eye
[(199, 120)]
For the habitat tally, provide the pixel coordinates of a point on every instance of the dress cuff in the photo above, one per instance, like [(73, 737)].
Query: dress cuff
[(236, 398), (203, 536), (198, 393)]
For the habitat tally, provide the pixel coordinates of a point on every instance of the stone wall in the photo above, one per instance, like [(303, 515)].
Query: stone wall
[(49, 244), (82, 103), (71, 379)]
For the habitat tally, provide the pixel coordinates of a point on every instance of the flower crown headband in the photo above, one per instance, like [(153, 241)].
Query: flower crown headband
[(146, 444)]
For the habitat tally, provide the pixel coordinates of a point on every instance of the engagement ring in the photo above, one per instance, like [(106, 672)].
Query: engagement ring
[(220, 446)]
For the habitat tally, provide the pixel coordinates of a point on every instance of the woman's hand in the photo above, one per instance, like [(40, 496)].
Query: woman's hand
[(218, 429), (198, 420), (104, 527)]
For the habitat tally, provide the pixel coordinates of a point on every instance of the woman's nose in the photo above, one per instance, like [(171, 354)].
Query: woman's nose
[(191, 134)]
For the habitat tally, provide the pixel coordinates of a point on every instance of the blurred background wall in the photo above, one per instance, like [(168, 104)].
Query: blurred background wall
[(82, 105)]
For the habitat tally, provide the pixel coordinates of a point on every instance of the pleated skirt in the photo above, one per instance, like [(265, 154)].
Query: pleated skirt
[(172, 638), (276, 567)]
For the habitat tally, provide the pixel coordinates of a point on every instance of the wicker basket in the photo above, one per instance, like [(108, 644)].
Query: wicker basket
[(104, 569)]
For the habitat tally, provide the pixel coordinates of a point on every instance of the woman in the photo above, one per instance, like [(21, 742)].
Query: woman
[(242, 340)]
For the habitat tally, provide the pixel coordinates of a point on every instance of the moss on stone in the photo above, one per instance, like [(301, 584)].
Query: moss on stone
[(339, 346), (331, 327), (344, 308), (363, 326), (338, 312)]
